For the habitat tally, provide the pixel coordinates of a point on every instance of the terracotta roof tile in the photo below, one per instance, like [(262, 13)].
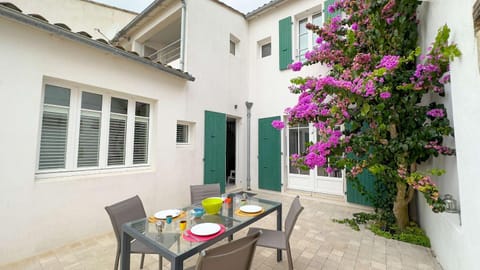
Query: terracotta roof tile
[(9, 10)]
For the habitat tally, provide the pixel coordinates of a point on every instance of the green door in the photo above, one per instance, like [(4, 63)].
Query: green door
[(269, 154), (215, 148), (366, 179)]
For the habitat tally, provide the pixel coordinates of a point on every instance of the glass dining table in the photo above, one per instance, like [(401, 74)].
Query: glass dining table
[(171, 244)]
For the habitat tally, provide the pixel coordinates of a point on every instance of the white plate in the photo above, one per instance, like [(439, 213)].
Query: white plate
[(251, 208), (170, 212), (205, 229)]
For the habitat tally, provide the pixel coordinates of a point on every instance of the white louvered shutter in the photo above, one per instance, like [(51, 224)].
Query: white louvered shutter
[(89, 134), (140, 140), (53, 142), (117, 132)]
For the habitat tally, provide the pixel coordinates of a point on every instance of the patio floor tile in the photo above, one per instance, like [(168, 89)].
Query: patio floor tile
[(316, 242)]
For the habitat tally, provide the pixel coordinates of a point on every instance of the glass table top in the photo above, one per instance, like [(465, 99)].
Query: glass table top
[(171, 240)]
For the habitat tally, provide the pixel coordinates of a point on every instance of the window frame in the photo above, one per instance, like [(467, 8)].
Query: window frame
[(310, 42), (73, 129), (190, 131)]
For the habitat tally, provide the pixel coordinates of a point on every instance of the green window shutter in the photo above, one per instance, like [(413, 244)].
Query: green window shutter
[(285, 42)]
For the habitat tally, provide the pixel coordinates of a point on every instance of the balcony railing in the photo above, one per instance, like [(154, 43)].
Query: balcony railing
[(167, 54)]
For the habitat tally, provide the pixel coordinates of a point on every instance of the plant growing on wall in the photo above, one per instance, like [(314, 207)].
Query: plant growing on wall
[(376, 89)]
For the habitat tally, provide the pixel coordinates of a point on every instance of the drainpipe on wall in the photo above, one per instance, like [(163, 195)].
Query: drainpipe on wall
[(249, 115), (182, 35)]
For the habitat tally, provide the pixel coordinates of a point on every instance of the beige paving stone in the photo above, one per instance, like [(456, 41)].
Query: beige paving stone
[(316, 242)]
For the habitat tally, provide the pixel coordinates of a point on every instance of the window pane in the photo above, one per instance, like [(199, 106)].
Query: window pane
[(119, 105), (302, 26), (302, 39), (140, 140), (232, 47), (91, 101), (296, 143), (182, 133), (89, 139), (316, 20), (267, 50), (142, 109), (53, 142), (56, 95)]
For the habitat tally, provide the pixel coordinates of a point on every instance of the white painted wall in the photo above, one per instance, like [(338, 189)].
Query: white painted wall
[(221, 78), (268, 86), (457, 244), (79, 15), (40, 215)]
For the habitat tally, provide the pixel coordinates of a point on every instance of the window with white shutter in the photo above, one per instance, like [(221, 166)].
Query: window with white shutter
[(84, 130), (182, 134), (117, 131), (53, 142), (140, 140), (89, 134)]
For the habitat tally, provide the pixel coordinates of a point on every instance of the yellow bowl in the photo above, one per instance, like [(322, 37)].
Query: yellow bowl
[(212, 205)]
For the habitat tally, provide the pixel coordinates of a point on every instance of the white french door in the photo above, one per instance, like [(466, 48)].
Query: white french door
[(316, 180)]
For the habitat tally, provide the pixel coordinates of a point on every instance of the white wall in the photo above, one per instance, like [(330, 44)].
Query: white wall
[(221, 78), (38, 215), (454, 243), (79, 15), (268, 86)]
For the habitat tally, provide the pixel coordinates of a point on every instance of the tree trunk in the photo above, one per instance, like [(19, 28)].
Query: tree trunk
[(400, 206)]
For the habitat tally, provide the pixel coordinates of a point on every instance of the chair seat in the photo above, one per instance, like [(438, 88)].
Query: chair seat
[(270, 238)]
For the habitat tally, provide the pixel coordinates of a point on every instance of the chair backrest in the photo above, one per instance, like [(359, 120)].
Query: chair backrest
[(200, 192), (295, 209), (235, 255), (125, 211)]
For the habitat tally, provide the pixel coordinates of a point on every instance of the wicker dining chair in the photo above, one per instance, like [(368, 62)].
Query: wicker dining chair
[(281, 239), (125, 211), (235, 255), (200, 192)]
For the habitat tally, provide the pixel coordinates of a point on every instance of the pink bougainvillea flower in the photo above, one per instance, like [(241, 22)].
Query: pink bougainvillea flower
[(385, 95), (296, 66), (390, 62), (437, 113), (278, 124)]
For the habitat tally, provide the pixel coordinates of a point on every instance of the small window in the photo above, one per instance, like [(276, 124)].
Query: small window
[(266, 50), (182, 134), (234, 44), (232, 47)]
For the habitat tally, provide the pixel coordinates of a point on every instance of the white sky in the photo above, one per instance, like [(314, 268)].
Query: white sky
[(139, 5)]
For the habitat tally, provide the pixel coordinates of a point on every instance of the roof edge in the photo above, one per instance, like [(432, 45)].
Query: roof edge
[(263, 8), (135, 20), (43, 25)]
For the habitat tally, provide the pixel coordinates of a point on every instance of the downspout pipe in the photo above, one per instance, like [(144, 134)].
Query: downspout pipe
[(249, 116), (182, 35)]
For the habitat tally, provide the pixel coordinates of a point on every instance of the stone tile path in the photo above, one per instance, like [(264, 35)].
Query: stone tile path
[(317, 243)]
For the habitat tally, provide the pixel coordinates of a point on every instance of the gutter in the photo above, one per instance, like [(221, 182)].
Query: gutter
[(29, 20), (182, 35)]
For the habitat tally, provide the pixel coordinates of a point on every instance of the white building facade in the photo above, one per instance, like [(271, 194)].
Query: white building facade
[(173, 107)]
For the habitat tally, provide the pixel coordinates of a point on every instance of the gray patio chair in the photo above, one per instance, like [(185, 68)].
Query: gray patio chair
[(280, 239), (125, 211), (235, 255), (200, 192)]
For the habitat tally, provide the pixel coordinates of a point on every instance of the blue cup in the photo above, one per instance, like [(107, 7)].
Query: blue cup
[(169, 219)]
